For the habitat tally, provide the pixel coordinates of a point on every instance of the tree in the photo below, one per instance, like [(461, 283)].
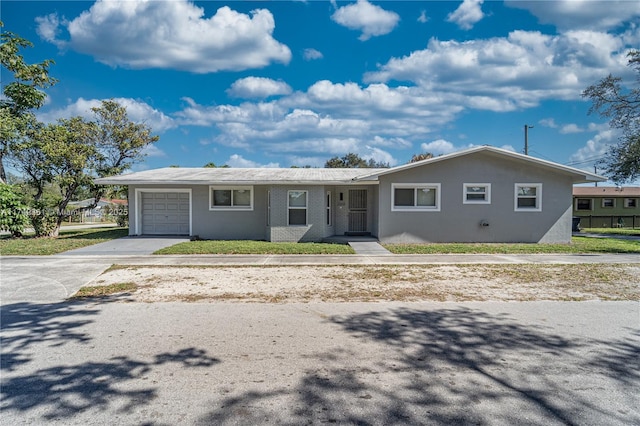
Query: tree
[(21, 95), (353, 161), (13, 212), (622, 107), (212, 165), (420, 157), (68, 155), (59, 155)]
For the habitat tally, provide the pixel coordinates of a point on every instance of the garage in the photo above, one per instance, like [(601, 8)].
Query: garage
[(165, 213)]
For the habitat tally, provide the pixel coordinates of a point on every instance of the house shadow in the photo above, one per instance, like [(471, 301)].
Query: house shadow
[(447, 366), (62, 391)]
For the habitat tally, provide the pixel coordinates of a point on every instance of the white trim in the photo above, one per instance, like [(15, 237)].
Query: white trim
[(305, 208), (538, 207), (231, 207), (613, 203), (415, 187), (137, 230), (487, 193)]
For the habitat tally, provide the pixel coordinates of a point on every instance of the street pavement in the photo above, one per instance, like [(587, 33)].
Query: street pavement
[(113, 362)]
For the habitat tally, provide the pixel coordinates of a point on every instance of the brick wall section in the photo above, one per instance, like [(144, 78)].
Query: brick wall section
[(315, 229)]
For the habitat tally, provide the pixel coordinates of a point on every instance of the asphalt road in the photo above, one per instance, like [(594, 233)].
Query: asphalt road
[(383, 363)]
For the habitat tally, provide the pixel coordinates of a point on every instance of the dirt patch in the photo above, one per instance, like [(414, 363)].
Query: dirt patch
[(378, 283)]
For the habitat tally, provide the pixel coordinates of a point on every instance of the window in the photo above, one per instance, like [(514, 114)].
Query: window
[(630, 203), (584, 204), (476, 193), (608, 202), (411, 197), (528, 197), (328, 208), (297, 204), (230, 198)]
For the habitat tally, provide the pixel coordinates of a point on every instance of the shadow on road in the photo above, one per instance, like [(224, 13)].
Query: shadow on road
[(65, 390), (450, 366)]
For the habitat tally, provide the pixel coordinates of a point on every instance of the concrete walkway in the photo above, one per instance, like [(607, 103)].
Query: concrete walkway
[(368, 248)]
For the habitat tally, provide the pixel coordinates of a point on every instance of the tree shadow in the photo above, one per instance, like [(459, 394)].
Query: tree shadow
[(445, 366), (65, 391), (25, 324)]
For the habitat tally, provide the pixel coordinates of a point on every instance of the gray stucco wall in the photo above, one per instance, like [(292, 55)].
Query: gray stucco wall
[(216, 224), (458, 222)]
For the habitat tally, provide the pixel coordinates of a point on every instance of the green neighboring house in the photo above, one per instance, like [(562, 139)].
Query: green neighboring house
[(607, 206)]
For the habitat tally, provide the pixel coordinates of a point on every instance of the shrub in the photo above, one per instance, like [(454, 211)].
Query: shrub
[(13, 213)]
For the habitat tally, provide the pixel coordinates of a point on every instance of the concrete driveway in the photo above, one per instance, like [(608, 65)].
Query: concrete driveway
[(127, 246)]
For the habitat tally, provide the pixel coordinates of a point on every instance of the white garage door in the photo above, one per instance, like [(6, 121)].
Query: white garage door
[(165, 213)]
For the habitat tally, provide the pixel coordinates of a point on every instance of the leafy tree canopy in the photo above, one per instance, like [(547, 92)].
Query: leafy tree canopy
[(420, 157), (353, 161), (622, 107), (22, 93)]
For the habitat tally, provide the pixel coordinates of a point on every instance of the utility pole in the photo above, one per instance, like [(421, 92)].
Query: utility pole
[(526, 138)]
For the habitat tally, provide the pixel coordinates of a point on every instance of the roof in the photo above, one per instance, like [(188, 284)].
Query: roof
[(316, 176), (580, 176), (238, 176), (609, 191)]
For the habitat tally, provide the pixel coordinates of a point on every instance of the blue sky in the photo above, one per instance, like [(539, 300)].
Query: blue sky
[(276, 84)]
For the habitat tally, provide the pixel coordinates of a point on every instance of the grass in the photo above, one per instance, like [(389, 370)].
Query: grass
[(614, 231), (105, 290), (254, 247), (68, 240), (578, 245)]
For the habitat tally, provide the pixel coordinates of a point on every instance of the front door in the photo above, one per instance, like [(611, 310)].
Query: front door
[(357, 210)]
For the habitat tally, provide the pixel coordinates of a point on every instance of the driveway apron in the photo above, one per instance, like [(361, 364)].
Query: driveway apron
[(127, 246)]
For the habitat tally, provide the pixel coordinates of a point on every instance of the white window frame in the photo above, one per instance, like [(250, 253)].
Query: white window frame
[(231, 207), (329, 219), (415, 187), (538, 207), (487, 193), (305, 208), (613, 203), (627, 201), (584, 210)]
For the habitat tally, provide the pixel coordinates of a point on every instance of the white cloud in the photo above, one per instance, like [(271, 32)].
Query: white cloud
[(570, 128), (238, 161), (169, 34), (258, 87), (312, 54), (467, 14), (574, 14), (504, 74), (379, 156), (138, 112), (423, 18), (594, 149), (548, 122), (438, 147), (153, 151), (370, 19)]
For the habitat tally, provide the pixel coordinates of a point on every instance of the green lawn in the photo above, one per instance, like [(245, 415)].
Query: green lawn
[(615, 231), (68, 240), (578, 245), (254, 247)]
